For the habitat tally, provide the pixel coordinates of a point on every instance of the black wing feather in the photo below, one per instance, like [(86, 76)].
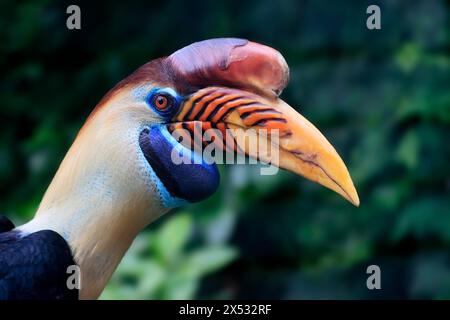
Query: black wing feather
[(34, 266)]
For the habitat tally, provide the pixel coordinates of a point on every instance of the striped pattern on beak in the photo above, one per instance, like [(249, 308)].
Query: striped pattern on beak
[(218, 108)]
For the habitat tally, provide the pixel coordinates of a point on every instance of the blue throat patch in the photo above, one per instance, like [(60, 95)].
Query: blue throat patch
[(192, 180)]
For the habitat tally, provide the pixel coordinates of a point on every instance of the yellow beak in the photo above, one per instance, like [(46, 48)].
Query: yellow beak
[(295, 143)]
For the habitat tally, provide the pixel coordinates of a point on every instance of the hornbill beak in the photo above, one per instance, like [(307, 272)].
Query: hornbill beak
[(239, 89)]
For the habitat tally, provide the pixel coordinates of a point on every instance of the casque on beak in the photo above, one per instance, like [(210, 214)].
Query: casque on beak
[(239, 83)]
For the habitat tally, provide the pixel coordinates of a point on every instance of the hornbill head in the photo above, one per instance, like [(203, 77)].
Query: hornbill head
[(230, 86), (124, 170)]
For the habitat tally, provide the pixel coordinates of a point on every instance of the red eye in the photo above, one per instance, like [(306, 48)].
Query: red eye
[(161, 102)]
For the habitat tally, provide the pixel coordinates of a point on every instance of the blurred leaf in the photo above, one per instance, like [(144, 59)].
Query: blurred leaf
[(180, 288), (408, 56), (173, 236), (425, 218), (206, 260), (408, 151), (151, 279)]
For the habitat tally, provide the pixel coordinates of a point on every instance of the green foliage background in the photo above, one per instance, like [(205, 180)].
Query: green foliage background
[(381, 97)]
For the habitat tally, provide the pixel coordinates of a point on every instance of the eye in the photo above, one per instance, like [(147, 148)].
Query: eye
[(161, 102), (164, 101)]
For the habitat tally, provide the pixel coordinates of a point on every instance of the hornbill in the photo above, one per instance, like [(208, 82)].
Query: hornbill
[(118, 175)]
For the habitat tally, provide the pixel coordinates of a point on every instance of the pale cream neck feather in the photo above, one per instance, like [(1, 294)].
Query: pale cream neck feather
[(102, 194)]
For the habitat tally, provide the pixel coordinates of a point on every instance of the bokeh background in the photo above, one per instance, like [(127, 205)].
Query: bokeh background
[(381, 97)]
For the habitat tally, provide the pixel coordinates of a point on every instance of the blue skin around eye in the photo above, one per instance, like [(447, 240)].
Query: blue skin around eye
[(169, 92), (192, 181)]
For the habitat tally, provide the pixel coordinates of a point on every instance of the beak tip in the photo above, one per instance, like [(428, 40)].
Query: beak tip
[(355, 202), (353, 197)]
